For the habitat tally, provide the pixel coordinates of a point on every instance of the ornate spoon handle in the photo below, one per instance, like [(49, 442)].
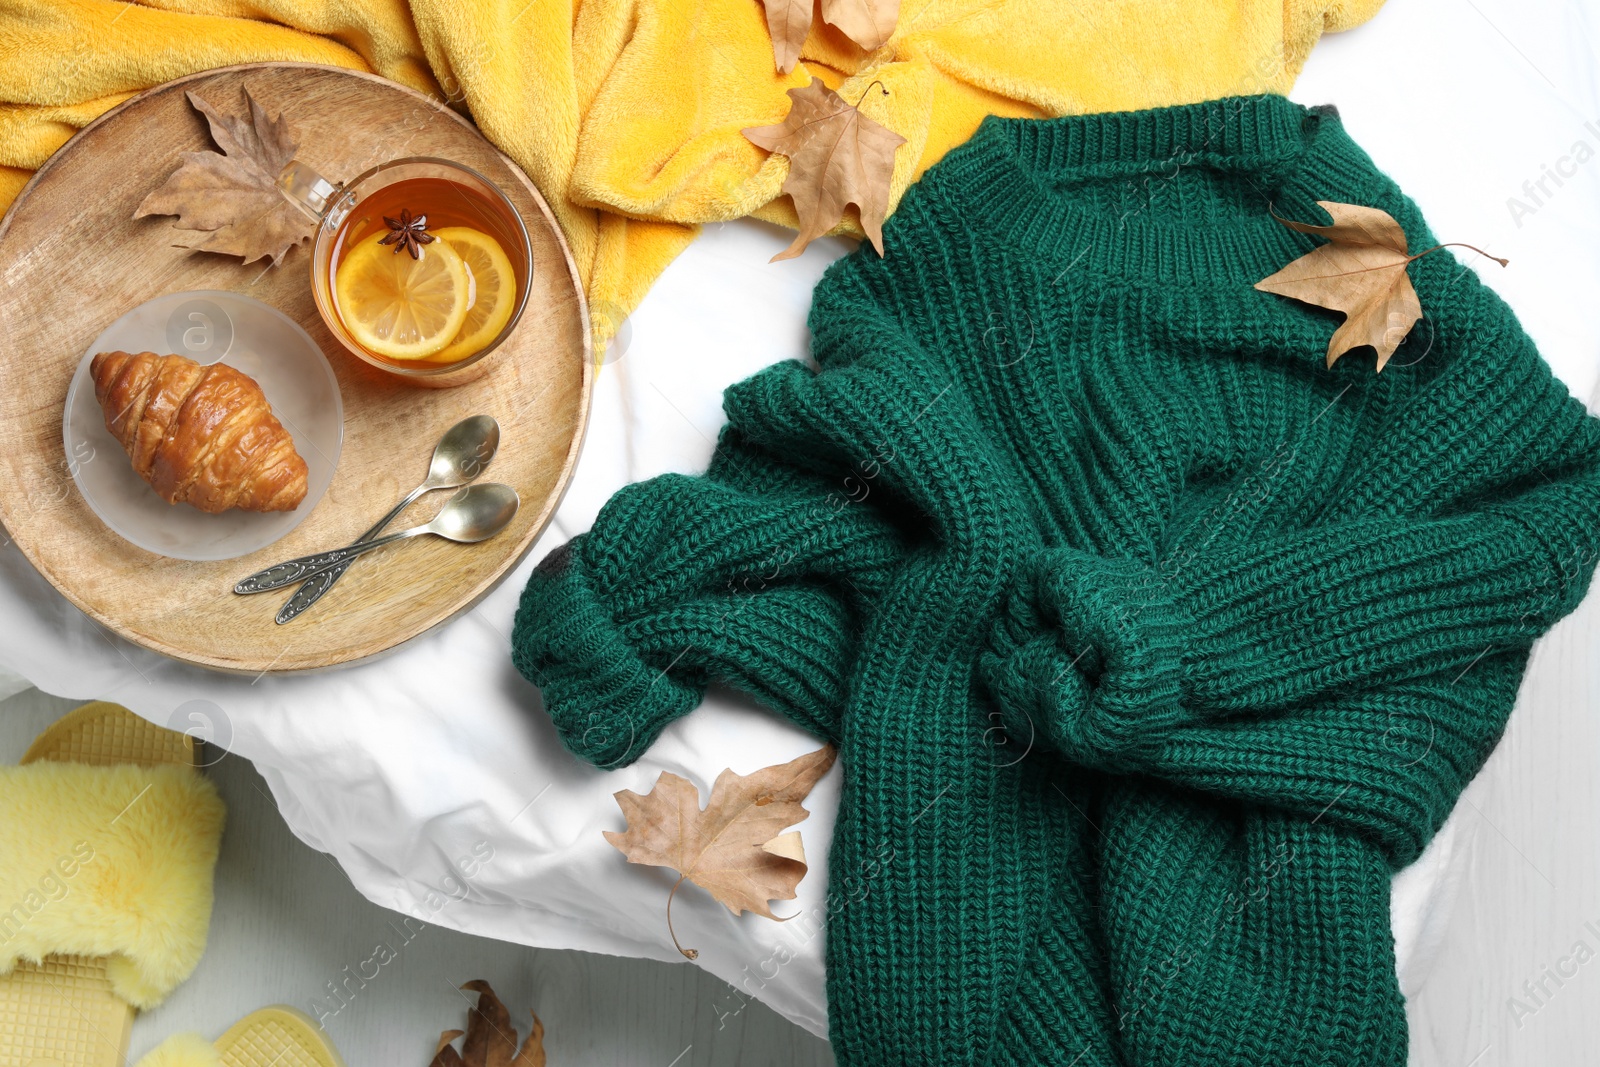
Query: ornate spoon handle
[(312, 589), (296, 570), (310, 592)]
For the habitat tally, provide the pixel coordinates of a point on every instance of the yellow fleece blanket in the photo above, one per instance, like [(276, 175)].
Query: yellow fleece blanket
[(626, 113), (108, 861)]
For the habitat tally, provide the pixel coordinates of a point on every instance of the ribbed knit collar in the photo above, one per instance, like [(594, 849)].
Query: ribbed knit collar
[(1026, 168)]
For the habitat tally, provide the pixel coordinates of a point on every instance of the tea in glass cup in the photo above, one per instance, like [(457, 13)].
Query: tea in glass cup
[(421, 266)]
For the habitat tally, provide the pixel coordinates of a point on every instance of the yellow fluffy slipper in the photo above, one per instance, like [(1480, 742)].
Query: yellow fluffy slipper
[(108, 839), (279, 1036)]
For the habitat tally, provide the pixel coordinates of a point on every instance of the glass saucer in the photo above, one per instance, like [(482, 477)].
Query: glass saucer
[(207, 326)]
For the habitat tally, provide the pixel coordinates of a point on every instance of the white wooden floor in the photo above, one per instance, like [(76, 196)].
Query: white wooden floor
[(287, 924)]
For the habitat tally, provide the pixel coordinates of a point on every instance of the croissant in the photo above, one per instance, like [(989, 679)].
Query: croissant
[(204, 435)]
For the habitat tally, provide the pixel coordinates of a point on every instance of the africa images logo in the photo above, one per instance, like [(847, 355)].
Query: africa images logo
[(1536, 192)]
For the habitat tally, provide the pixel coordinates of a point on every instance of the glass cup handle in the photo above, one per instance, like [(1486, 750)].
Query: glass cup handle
[(306, 189)]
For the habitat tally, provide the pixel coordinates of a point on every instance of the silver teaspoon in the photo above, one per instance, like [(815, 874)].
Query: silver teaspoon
[(474, 514), (462, 454)]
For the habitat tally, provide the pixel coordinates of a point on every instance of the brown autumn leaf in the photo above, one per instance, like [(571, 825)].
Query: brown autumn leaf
[(491, 1040), (788, 21), (837, 157), (733, 849), (446, 1055), (868, 23), (1361, 271), (787, 845), (231, 200)]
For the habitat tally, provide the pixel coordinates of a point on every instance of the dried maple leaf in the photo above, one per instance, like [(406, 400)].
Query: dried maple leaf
[(732, 849), (868, 23), (491, 1040), (233, 198), (1361, 271), (788, 21), (446, 1055), (837, 156)]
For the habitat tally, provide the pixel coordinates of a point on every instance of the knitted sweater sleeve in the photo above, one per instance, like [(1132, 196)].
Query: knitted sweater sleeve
[(755, 575), (1358, 672)]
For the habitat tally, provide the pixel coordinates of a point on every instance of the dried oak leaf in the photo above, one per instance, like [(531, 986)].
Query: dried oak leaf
[(837, 156), (232, 200), (1361, 271), (733, 849), (868, 23), (491, 1040)]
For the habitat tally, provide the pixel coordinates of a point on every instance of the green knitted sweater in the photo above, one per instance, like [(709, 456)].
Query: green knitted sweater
[(1152, 646)]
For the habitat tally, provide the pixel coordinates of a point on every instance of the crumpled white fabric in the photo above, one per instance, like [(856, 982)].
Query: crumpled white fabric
[(411, 769)]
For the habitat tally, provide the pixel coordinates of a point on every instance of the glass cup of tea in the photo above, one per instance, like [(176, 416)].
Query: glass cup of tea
[(420, 267)]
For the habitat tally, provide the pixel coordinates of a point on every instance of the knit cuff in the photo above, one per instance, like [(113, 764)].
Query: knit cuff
[(791, 647), (608, 704), (1086, 657)]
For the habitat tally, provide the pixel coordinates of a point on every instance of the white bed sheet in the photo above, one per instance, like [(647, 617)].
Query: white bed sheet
[(410, 769)]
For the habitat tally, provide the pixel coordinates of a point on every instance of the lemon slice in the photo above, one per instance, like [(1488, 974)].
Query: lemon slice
[(495, 290), (401, 307)]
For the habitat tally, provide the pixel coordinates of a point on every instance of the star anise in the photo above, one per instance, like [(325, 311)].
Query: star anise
[(408, 231)]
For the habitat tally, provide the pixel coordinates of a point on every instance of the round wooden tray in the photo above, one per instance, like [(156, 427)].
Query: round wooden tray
[(73, 259)]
